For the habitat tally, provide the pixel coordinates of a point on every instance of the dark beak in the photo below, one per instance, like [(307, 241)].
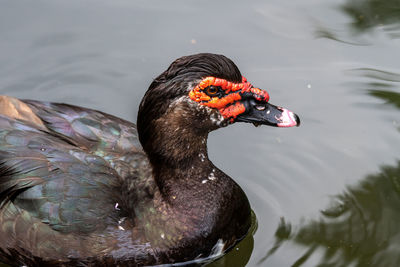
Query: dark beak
[(258, 113)]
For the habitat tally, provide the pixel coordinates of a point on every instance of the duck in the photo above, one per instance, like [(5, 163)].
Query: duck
[(79, 187)]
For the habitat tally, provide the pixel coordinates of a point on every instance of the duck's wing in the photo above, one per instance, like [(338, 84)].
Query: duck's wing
[(111, 138), (52, 179), (51, 192), (92, 130), (64, 158), (114, 139), (61, 172)]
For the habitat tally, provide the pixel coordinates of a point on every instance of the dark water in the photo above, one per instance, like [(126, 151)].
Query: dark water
[(326, 193)]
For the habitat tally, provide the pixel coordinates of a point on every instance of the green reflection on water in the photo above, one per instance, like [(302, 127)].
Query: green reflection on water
[(367, 14), (382, 82), (390, 96), (362, 227)]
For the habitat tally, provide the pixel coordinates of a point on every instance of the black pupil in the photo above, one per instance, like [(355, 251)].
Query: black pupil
[(212, 90)]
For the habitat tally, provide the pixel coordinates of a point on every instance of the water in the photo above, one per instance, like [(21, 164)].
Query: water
[(326, 193)]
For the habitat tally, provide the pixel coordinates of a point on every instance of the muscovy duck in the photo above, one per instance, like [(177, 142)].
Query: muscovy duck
[(81, 187)]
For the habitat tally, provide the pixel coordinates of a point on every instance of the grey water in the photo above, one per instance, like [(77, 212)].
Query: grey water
[(326, 193)]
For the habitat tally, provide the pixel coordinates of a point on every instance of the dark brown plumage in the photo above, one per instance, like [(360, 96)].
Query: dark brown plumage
[(77, 188)]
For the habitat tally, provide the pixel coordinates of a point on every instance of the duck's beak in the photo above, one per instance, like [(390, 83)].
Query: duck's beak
[(258, 113)]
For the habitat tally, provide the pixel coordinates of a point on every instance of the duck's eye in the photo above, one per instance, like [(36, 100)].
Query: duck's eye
[(212, 90)]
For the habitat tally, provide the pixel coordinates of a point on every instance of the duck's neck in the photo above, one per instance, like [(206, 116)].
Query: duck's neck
[(196, 204), (181, 160), (176, 148), (193, 200)]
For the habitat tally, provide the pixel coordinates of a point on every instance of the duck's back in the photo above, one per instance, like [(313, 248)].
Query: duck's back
[(61, 170)]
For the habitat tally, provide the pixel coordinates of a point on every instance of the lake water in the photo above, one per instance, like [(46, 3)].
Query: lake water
[(326, 193)]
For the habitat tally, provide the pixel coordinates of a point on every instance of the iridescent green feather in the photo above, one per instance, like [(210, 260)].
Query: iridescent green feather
[(67, 176)]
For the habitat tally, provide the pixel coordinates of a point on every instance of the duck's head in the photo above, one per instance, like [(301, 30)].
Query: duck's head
[(204, 92)]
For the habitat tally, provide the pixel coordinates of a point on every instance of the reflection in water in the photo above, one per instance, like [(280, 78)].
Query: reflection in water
[(379, 74), (323, 32), (360, 229), (367, 14), (390, 96), (382, 81)]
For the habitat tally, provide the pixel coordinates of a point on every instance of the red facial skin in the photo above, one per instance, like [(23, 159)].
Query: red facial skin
[(228, 105)]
